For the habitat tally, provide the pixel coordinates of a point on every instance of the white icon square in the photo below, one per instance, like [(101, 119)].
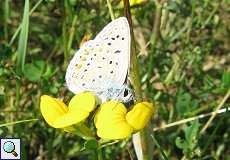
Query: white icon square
[(10, 149)]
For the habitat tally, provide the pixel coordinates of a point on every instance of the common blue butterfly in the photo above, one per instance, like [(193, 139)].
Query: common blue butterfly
[(101, 65)]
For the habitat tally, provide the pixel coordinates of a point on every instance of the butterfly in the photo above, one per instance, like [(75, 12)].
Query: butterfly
[(101, 65)]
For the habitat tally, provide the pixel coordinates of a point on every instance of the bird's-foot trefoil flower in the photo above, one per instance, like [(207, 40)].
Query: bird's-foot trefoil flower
[(70, 118), (114, 122), (112, 119), (134, 2)]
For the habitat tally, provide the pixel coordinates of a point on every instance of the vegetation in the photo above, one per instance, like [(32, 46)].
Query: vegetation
[(184, 62)]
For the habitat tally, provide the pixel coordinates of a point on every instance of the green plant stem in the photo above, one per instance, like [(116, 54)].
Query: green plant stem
[(191, 19), (211, 15), (110, 9), (169, 76), (183, 121), (215, 112), (134, 69), (6, 17), (65, 34), (159, 147), (18, 86), (136, 82), (72, 31), (157, 24), (99, 153), (155, 35), (211, 137)]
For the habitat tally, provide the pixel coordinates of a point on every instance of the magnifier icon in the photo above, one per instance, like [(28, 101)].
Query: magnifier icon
[(9, 147)]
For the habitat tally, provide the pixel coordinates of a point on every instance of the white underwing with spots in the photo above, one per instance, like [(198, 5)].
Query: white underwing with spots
[(101, 65)]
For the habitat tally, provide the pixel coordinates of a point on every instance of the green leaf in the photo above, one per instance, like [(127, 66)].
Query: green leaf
[(227, 1), (23, 38), (181, 143), (185, 103), (173, 6), (226, 80), (33, 71), (182, 103), (191, 133), (189, 143), (91, 144), (48, 72)]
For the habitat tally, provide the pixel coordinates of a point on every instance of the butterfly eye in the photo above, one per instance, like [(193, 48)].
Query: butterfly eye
[(109, 44), (117, 36), (113, 38), (110, 62), (111, 72), (122, 38)]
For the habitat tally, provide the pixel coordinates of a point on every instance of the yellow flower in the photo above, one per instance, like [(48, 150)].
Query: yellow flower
[(113, 122), (111, 119), (58, 115), (139, 116), (133, 2), (136, 2)]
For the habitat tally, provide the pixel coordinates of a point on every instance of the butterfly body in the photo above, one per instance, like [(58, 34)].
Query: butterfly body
[(101, 65)]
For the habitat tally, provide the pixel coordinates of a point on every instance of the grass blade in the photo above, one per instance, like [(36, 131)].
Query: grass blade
[(22, 43), (20, 26), (17, 122)]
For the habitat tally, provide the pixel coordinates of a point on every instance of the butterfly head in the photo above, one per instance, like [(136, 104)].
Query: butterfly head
[(123, 94)]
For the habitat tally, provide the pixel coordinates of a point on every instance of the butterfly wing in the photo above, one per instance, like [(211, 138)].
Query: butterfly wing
[(86, 70), (117, 36), (102, 63)]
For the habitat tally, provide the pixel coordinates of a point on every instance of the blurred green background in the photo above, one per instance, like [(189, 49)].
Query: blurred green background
[(184, 54)]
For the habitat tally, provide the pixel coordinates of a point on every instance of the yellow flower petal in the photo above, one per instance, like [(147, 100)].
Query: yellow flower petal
[(70, 118), (133, 2), (110, 121), (52, 109), (58, 115), (85, 101), (139, 115), (136, 2)]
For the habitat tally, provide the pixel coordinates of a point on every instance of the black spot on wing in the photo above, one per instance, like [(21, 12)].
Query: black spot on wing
[(117, 51)]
